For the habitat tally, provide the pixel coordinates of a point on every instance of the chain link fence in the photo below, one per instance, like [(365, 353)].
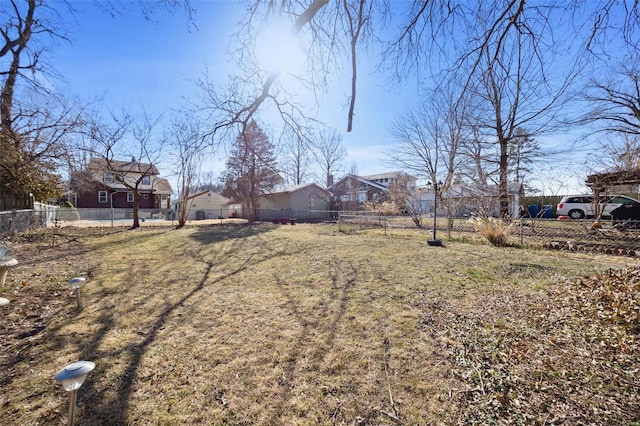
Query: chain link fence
[(17, 221), (607, 237), (588, 235)]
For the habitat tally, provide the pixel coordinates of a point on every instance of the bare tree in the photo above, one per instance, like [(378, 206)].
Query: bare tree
[(617, 101), (523, 150), (330, 155), (35, 148), (295, 152), (512, 85), (189, 155), (209, 181), (34, 128), (24, 31), (231, 110), (125, 136), (477, 157), (430, 137), (497, 39), (407, 197), (619, 152)]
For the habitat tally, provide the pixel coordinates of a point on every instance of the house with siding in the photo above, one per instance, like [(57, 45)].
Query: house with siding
[(353, 190), (205, 205), (106, 184), (464, 200), (307, 202)]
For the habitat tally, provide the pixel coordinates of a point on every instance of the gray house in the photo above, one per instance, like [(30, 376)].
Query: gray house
[(307, 202)]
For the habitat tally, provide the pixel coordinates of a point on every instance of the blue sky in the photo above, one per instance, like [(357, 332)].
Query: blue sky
[(130, 62)]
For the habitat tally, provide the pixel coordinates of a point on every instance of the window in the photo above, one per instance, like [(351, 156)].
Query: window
[(146, 180), (108, 177), (102, 196), (129, 197), (312, 201)]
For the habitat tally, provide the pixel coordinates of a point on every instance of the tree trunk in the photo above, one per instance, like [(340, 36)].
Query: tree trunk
[(136, 205), (503, 185)]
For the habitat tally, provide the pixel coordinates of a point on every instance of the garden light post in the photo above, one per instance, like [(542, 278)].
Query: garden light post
[(6, 262), (72, 377), (434, 241), (75, 284)]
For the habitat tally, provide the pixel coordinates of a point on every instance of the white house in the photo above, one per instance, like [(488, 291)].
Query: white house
[(205, 205), (470, 200)]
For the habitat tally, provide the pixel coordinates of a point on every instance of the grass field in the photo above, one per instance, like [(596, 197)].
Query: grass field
[(301, 325)]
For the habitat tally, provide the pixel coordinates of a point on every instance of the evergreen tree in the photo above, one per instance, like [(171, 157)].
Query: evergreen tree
[(251, 169)]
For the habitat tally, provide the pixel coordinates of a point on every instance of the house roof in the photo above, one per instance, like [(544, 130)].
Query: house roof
[(621, 177), (294, 188), (362, 180), (197, 195), (162, 186), (200, 194), (382, 175), (122, 166)]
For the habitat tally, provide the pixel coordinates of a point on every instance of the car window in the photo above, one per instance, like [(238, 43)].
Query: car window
[(579, 200), (619, 200)]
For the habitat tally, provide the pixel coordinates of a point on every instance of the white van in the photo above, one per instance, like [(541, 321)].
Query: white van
[(581, 206)]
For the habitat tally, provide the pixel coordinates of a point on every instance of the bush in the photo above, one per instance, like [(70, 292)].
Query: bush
[(68, 212), (496, 231), (385, 208)]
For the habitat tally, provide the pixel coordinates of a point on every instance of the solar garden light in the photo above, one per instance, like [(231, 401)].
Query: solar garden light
[(6, 262), (75, 284), (72, 377)]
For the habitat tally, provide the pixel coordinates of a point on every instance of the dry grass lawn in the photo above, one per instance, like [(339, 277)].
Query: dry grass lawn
[(303, 325)]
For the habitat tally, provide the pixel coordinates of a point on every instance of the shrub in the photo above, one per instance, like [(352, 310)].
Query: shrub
[(496, 231), (68, 212), (385, 208)]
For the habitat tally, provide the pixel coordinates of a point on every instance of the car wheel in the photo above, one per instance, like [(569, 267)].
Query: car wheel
[(576, 214)]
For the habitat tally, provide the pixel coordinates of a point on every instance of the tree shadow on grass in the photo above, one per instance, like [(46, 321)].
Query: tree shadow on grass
[(114, 411), (343, 280), (109, 405), (218, 233)]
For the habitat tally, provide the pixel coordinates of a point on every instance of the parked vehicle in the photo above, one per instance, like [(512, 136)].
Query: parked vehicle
[(627, 216), (581, 206)]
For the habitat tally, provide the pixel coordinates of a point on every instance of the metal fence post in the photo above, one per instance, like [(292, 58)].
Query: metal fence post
[(521, 233)]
